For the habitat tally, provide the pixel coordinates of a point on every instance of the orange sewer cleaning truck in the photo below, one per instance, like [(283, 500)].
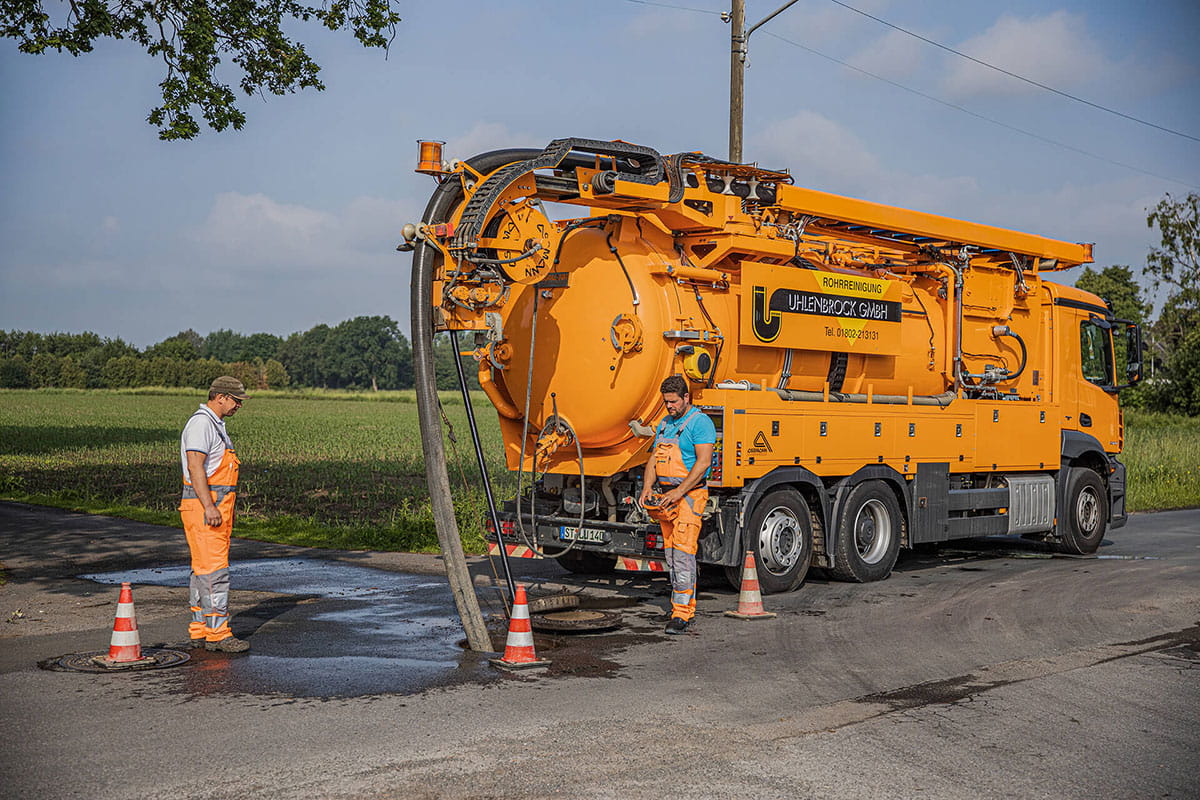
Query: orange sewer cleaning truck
[(878, 377)]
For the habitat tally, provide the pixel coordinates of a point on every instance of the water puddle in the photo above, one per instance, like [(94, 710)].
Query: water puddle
[(340, 631)]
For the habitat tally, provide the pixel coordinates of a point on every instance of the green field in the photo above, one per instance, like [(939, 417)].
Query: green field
[(329, 469), (346, 470)]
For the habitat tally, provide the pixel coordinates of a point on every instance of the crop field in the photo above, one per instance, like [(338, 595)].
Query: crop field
[(334, 470), (346, 470)]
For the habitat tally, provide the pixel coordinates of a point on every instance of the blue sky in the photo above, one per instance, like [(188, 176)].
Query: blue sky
[(292, 221)]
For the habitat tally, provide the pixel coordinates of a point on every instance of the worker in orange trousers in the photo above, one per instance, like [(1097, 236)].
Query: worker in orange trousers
[(675, 493), (210, 476)]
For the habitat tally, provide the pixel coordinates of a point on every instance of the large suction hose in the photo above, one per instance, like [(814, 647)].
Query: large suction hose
[(443, 201)]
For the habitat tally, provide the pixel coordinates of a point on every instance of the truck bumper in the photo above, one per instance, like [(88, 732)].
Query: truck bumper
[(1116, 493), (627, 543)]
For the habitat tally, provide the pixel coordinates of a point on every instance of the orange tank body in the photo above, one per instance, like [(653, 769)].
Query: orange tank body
[(820, 333)]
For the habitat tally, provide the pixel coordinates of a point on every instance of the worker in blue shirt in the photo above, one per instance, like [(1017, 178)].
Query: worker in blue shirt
[(675, 492)]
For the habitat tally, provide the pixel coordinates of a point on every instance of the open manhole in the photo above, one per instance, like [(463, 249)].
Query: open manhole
[(575, 620), (152, 658)]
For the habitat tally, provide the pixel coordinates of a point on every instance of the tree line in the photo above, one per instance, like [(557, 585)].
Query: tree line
[(360, 353), (1171, 361)]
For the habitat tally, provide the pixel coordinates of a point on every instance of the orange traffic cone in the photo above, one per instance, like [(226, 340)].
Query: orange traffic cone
[(749, 598), (518, 648), (125, 646)]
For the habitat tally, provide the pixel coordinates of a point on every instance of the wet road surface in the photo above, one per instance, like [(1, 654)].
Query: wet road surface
[(340, 631), (983, 671)]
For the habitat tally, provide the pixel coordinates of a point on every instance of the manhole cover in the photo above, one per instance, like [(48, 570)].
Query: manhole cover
[(152, 658), (553, 602), (579, 620)]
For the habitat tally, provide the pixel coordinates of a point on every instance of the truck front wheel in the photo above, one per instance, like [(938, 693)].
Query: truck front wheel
[(1086, 516), (780, 534), (868, 534)]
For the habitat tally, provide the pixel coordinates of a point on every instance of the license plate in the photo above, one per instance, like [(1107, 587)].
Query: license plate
[(568, 534)]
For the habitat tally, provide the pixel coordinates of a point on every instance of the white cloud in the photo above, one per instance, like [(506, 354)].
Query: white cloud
[(817, 21), (894, 55), (1056, 50), (257, 232), (827, 156), (830, 157), (1112, 214), (485, 136)]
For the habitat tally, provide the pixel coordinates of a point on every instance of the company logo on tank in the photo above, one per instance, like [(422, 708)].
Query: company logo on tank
[(788, 307)]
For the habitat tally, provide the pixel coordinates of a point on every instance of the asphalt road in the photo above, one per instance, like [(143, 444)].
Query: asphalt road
[(994, 671)]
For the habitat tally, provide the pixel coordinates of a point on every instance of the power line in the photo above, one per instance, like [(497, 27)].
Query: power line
[(942, 102), (1030, 81), (1014, 128), (678, 8)]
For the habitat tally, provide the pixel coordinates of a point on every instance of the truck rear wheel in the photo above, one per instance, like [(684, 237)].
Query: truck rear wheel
[(868, 534), (780, 534), (1085, 517), (585, 562)]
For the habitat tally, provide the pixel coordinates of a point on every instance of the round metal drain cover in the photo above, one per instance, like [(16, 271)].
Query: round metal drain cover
[(152, 658), (579, 620), (553, 602)]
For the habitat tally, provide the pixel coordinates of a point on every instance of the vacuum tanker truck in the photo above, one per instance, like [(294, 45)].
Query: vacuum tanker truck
[(879, 378)]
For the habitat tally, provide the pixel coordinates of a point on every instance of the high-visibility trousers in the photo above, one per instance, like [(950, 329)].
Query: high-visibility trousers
[(208, 591), (681, 538)]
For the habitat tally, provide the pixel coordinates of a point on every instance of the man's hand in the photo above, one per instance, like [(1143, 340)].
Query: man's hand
[(673, 497), (647, 490), (212, 517)]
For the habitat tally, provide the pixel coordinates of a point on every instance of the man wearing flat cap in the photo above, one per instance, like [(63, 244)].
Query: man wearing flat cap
[(210, 473)]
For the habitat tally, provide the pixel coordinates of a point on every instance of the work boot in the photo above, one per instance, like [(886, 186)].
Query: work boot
[(230, 644), (678, 626), (195, 644)]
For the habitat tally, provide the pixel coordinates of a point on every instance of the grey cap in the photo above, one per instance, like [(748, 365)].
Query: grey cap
[(227, 384)]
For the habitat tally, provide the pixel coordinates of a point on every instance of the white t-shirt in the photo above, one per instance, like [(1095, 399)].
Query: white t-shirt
[(204, 433)]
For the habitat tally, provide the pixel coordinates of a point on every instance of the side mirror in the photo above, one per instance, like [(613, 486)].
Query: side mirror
[(1133, 352)]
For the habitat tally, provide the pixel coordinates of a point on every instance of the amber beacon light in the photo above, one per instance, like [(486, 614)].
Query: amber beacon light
[(431, 157)]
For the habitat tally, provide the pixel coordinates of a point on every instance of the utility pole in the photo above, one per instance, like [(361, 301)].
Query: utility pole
[(737, 76), (739, 41)]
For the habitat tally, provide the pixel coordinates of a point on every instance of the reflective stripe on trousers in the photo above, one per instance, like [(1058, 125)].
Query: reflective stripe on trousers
[(209, 598)]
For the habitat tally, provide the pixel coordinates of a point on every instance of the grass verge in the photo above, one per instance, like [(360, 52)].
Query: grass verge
[(1162, 456)]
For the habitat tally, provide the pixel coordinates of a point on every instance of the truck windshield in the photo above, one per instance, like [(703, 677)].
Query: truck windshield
[(1096, 354)]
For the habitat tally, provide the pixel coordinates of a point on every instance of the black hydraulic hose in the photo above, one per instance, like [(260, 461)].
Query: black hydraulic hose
[(474, 259), (1024, 352), (444, 198), (612, 248), (483, 471), (574, 226)]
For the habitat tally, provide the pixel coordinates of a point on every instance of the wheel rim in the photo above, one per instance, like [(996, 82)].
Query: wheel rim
[(872, 531), (1087, 512), (780, 540)]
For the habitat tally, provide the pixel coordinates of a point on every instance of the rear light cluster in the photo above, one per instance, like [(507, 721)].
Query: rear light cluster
[(507, 527), (654, 541)]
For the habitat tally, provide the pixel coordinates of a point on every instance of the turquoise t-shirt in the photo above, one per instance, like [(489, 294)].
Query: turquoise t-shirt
[(700, 431)]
